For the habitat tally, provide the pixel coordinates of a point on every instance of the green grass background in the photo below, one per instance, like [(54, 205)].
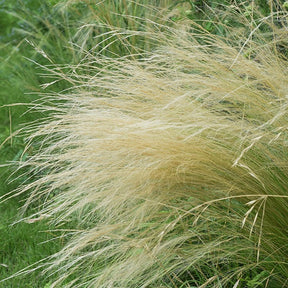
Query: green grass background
[(22, 244)]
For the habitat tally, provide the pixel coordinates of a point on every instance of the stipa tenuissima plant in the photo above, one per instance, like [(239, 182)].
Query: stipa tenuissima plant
[(175, 164)]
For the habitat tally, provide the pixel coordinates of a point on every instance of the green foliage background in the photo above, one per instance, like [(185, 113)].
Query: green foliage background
[(22, 25)]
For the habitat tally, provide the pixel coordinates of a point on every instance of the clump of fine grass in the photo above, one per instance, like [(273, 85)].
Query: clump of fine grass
[(173, 161)]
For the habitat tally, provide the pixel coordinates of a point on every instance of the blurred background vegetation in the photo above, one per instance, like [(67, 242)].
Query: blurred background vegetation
[(34, 34)]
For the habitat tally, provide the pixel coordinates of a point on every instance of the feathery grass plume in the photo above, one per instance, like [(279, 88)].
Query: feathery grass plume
[(174, 162)]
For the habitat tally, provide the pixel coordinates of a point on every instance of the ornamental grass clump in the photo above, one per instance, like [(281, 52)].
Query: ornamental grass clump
[(173, 162)]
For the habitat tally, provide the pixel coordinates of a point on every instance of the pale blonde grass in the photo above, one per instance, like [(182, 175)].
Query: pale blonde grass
[(159, 156)]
